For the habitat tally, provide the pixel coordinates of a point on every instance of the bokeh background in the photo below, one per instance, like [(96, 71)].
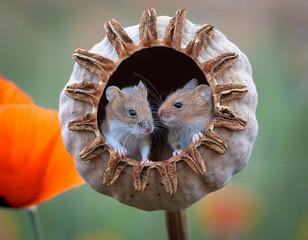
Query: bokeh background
[(267, 200)]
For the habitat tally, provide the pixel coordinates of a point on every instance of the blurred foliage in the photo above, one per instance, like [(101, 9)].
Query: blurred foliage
[(36, 44)]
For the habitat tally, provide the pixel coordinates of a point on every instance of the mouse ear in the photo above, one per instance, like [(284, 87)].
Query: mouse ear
[(192, 84), (142, 88), (204, 92), (112, 92)]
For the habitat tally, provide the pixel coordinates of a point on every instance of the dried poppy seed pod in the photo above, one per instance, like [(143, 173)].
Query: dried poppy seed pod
[(169, 52)]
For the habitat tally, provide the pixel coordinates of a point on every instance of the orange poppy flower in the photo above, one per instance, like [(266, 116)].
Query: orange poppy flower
[(34, 165), (10, 93)]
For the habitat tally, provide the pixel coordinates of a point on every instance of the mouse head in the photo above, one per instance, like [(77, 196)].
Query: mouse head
[(188, 105), (129, 109)]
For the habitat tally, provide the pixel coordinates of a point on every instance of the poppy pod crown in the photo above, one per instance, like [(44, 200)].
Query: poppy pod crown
[(168, 52)]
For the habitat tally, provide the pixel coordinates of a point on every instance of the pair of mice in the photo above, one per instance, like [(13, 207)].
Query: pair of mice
[(129, 122)]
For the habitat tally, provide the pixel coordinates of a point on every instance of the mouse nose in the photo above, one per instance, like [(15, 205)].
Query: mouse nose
[(161, 113), (164, 113), (145, 125)]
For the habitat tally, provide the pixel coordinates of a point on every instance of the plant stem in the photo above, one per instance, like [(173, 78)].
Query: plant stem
[(177, 225), (35, 222)]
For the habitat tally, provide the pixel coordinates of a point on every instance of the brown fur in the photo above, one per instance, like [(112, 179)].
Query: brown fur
[(194, 115)]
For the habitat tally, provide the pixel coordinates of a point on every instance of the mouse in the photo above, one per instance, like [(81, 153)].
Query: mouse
[(128, 122), (186, 113)]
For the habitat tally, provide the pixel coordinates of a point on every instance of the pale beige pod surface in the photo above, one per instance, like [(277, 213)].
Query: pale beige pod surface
[(184, 49)]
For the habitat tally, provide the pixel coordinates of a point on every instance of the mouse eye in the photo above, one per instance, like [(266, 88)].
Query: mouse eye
[(178, 105), (132, 113)]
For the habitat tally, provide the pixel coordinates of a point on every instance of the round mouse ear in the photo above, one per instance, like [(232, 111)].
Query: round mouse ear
[(112, 92), (204, 92)]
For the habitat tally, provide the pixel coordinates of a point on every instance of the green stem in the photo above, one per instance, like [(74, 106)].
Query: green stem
[(35, 222)]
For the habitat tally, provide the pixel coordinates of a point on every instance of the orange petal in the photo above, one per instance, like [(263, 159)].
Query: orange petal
[(34, 164), (10, 93)]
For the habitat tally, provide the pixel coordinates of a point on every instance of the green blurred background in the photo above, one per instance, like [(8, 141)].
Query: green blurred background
[(36, 44)]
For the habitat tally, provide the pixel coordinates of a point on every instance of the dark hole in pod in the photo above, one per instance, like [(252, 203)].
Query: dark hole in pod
[(167, 70)]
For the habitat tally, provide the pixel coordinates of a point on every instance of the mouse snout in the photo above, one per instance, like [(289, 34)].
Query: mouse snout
[(159, 112), (145, 125), (141, 124), (163, 113), (148, 130), (165, 116)]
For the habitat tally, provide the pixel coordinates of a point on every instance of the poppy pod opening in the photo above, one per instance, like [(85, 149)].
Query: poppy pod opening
[(165, 53)]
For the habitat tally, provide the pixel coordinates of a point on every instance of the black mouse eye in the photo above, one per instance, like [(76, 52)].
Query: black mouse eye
[(178, 105), (132, 113)]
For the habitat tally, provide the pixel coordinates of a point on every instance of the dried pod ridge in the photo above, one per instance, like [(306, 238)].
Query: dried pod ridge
[(90, 92), (203, 167)]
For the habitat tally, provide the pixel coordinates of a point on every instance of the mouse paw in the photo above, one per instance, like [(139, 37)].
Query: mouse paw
[(121, 151), (177, 152), (197, 136), (145, 161)]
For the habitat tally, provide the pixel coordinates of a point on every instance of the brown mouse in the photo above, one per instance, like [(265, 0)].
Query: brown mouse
[(128, 122), (186, 113)]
